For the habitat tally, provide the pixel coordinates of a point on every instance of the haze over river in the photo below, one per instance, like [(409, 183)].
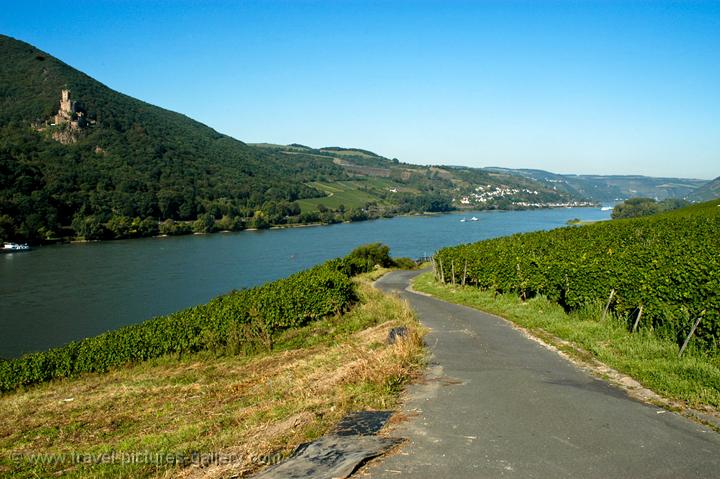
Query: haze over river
[(56, 294)]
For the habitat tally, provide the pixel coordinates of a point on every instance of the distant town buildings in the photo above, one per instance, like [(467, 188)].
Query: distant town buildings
[(489, 194)]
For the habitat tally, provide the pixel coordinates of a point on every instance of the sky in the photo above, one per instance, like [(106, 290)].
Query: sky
[(588, 87)]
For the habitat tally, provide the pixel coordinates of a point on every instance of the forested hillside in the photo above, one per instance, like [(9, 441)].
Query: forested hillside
[(117, 167), (137, 160)]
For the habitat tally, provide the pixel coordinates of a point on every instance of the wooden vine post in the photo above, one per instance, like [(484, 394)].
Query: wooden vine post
[(464, 273), (442, 272), (637, 320), (607, 306), (452, 266), (692, 331)]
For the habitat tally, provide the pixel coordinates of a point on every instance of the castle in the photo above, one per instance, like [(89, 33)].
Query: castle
[(68, 113)]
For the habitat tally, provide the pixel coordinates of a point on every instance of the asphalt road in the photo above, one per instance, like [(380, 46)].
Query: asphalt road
[(496, 404)]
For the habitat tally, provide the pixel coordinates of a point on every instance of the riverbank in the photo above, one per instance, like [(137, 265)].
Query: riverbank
[(236, 412), (188, 227)]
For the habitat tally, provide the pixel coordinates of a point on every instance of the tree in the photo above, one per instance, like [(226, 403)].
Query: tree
[(229, 223), (365, 257), (356, 214), (88, 227), (636, 207), (146, 227), (119, 226), (259, 221), (204, 224)]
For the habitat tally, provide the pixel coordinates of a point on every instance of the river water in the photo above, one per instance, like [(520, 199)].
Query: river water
[(55, 294)]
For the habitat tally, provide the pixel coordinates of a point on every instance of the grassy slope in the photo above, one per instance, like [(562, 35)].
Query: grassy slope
[(693, 379), (247, 406), (339, 193), (352, 193)]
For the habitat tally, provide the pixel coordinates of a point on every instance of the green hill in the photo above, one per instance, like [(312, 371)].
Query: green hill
[(105, 165), (136, 160)]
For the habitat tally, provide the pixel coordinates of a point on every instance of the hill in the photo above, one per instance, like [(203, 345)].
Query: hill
[(123, 158), (406, 187), (78, 159), (706, 192), (608, 188)]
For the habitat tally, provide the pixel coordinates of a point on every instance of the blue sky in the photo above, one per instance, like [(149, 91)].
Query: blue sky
[(572, 87)]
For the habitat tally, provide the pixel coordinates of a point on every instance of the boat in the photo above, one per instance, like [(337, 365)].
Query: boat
[(606, 208), (463, 220), (473, 219), (14, 247)]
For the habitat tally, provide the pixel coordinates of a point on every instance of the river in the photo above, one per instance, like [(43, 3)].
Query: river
[(55, 294)]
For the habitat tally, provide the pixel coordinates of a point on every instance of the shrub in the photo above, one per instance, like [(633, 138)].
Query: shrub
[(364, 258)]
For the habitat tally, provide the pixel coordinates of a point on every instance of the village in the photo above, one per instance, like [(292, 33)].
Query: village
[(489, 195)]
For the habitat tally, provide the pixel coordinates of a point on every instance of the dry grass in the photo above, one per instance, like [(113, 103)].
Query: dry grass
[(243, 408)]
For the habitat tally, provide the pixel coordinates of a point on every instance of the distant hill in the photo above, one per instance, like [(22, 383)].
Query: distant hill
[(608, 188), (78, 159), (708, 191), (407, 187)]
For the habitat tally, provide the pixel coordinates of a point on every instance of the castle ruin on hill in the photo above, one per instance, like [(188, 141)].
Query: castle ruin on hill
[(68, 123), (68, 112)]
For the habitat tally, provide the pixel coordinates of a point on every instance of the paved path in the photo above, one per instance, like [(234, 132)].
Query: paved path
[(498, 404)]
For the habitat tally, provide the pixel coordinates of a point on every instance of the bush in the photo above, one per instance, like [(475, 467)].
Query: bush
[(364, 258)]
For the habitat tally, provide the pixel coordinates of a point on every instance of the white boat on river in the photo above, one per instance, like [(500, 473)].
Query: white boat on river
[(14, 247)]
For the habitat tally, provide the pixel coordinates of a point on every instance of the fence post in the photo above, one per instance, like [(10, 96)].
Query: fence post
[(464, 273), (607, 306), (442, 271), (687, 340), (637, 320), (452, 265)]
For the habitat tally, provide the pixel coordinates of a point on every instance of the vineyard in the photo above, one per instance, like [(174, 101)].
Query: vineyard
[(660, 273), (228, 324)]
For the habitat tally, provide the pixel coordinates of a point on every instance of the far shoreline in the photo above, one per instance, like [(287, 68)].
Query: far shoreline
[(67, 241)]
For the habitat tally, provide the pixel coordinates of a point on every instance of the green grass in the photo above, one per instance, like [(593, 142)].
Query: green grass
[(693, 379), (250, 406)]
